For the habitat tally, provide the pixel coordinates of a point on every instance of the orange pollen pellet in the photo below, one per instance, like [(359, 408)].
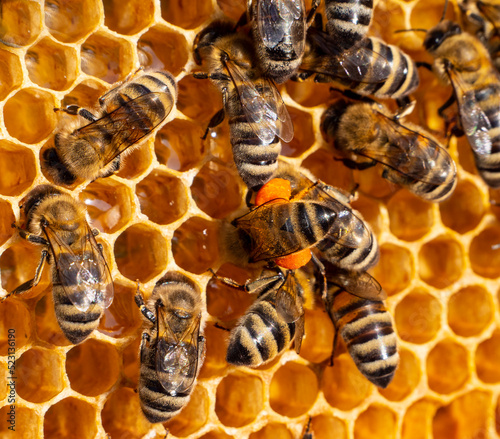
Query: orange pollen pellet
[(295, 260), (277, 188)]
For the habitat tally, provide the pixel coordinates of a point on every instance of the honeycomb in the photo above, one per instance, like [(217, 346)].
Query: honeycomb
[(439, 263)]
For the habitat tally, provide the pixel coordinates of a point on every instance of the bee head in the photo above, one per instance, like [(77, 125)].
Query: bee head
[(439, 33), (332, 117), (209, 35), (35, 198), (55, 168)]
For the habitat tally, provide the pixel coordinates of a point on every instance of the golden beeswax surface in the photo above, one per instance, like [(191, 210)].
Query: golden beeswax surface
[(163, 211)]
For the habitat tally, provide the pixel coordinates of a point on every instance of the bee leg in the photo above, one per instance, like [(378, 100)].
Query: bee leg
[(75, 110), (35, 239), (312, 12), (217, 119), (95, 232), (351, 164), (146, 312), (446, 105), (322, 276), (425, 65), (406, 107), (256, 286), (113, 167), (221, 327)]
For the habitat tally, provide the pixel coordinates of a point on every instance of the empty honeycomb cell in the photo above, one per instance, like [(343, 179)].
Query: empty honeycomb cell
[(195, 245), (5, 386), (178, 145), (137, 162), (225, 302), (272, 431), (293, 390), (163, 197), (451, 357), (215, 360), (470, 311), (420, 413), (487, 358), (417, 317), (465, 417), (29, 115), (406, 378), (109, 204), (18, 169), (40, 375), (52, 65), (215, 189), (303, 137), (20, 22), (187, 16), (327, 427), (71, 20), (107, 57), (92, 367), (25, 421), (317, 344), (464, 210), (426, 15), (232, 8), (410, 218), (130, 363), (372, 184), (239, 399), (395, 269), (344, 387), (193, 416), (375, 421), (441, 261), (198, 99), (14, 320), (6, 219), (11, 75), (128, 17), (308, 93), (484, 252), (86, 94), (123, 317), (141, 253), (216, 434), (47, 327), (370, 210), (122, 415), (70, 418), (160, 48)]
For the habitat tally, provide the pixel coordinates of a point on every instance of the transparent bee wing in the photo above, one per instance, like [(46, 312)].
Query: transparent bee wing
[(360, 284), (285, 125), (275, 19), (84, 275), (288, 300), (491, 11)]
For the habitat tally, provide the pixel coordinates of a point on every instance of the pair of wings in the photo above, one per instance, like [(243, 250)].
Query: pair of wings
[(84, 274), (262, 105), (127, 124), (358, 283), (176, 357)]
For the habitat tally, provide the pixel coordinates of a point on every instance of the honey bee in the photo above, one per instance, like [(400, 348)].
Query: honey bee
[(127, 114), (367, 134), (82, 286), (354, 302), (461, 59), (257, 114), (279, 32), (272, 322), (172, 349)]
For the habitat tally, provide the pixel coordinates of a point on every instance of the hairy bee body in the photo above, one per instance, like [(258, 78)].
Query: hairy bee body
[(172, 350), (367, 133), (127, 114), (461, 59)]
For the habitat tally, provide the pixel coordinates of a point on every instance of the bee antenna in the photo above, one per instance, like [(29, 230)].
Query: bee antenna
[(444, 11), (400, 31)]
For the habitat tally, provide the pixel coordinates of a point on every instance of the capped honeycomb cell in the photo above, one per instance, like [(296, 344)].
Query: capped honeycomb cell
[(465, 417), (451, 357), (417, 317), (160, 48), (193, 416), (20, 22), (187, 16), (128, 17), (375, 421), (239, 399), (317, 344), (26, 422), (29, 115), (487, 357), (303, 137), (215, 189), (195, 245), (441, 261), (92, 367), (395, 269), (137, 162), (18, 169), (52, 65), (293, 390), (71, 20), (410, 217), (40, 375), (178, 145), (15, 320), (343, 385), (463, 211), (6, 219), (215, 360), (405, 379), (470, 311), (70, 418), (141, 253), (420, 413), (272, 431), (484, 252), (163, 197), (47, 327), (107, 57), (326, 427), (11, 75)]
